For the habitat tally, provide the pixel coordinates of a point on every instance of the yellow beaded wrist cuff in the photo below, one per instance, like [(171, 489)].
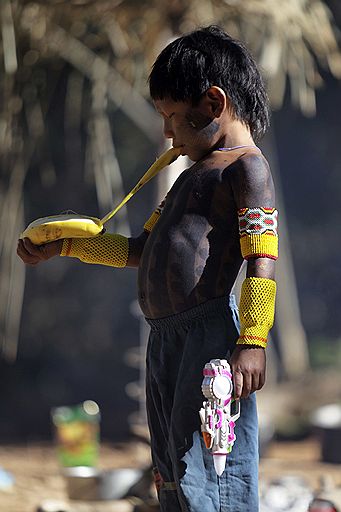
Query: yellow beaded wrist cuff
[(66, 247), (256, 310), (154, 217), (107, 249), (152, 220)]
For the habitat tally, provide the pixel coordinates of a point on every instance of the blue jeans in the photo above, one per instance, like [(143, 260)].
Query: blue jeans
[(179, 346)]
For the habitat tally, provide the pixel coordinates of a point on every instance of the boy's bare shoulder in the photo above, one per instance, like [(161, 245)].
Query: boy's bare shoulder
[(237, 163), (251, 180), (249, 166)]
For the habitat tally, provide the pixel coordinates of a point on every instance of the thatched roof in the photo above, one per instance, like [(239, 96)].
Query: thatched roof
[(291, 40)]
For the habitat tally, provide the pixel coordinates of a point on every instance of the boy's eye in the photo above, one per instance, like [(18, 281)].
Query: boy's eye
[(168, 116), (164, 115)]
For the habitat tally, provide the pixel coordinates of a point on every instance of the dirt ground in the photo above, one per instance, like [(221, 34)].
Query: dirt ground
[(37, 474), (38, 479)]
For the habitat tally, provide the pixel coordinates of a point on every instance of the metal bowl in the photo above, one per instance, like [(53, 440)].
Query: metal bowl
[(91, 484)]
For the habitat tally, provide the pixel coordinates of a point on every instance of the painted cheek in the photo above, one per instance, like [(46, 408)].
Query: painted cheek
[(197, 120), (194, 137), (202, 126), (210, 130)]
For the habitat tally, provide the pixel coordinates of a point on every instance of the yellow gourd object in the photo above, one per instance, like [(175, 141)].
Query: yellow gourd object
[(48, 229)]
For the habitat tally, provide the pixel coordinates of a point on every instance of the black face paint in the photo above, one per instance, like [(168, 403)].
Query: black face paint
[(201, 122)]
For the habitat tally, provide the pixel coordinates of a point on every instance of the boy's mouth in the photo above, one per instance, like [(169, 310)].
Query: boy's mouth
[(180, 146)]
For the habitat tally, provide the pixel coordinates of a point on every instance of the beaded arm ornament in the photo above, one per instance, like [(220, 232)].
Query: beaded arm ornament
[(258, 239), (258, 232)]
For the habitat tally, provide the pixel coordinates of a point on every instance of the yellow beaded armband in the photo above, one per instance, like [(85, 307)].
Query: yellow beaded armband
[(256, 310), (153, 218), (107, 249), (258, 232)]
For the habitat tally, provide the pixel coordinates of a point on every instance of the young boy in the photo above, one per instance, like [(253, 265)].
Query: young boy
[(209, 92)]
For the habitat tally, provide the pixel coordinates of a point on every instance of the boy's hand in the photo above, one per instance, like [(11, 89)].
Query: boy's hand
[(248, 369), (33, 254)]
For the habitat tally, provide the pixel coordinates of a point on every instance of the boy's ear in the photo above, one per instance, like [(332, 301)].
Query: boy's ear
[(216, 100)]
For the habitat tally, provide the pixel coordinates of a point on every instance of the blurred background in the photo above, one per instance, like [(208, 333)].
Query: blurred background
[(77, 130)]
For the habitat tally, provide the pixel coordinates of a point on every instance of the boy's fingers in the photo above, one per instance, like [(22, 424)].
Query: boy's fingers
[(31, 248), (255, 383), (261, 381), (20, 244), (21, 249), (237, 383), (27, 258), (247, 385)]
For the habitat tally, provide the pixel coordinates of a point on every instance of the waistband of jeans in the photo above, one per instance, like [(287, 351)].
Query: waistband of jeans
[(219, 305)]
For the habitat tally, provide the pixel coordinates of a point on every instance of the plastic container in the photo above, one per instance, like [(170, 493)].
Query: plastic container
[(77, 434)]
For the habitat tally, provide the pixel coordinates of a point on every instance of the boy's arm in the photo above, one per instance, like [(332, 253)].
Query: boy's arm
[(255, 201), (111, 250)]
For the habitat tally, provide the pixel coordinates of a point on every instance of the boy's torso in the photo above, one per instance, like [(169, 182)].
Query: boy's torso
[(193, 253)]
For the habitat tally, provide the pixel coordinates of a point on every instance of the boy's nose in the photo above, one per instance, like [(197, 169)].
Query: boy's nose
[(167, 130)]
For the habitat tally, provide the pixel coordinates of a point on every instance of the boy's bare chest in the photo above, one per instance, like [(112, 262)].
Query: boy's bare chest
[(192, 253), (197, 224), (204, 196)]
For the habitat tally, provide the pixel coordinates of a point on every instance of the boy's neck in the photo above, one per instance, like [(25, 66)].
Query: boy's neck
[(234, 134)]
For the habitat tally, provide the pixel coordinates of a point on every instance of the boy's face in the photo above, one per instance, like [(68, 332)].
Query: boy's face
[(195, 129)]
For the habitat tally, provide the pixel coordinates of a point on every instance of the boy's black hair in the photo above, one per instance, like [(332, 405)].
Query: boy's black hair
[(189, 65)]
